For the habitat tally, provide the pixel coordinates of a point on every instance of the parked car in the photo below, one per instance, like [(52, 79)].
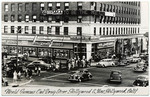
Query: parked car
[(140, 67), (141, 81), (115, 76), (106, 63), (135, 58), (79, 76), (39, 63)]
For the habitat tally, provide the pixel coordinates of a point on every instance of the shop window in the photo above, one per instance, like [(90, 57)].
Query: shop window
[(79, 7), (65, 30), (57, 6), (79, 19), (57, 29), (79, 30), (20, 7), (26, 29), (19, 29), (50, 6), (42, 6), (12, 18), (27, 18), (66, 7), (66, 19), (5, 29), (49, 18), (34, 18), (41, 18), (19, 18), (12, 29), (100, 32), (94, 30), (26, 6), (5, 18), (48, 30), (12, 7), (34, 5), (6, 7), (33, 29), (41, 30)]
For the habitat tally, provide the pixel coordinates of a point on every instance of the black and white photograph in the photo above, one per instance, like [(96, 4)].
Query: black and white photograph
[(75, 48)]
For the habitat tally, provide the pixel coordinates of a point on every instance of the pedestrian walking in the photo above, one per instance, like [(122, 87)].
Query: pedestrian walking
[(39, 71), (26, 73), (30, 73), (15, 76), (19, 75)]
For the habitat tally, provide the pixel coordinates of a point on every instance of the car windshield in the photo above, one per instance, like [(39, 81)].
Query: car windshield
[(115, 72), (36, 62), (106, 60), (141, 78)]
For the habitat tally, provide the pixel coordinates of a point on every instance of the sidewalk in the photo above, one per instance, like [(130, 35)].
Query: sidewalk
[(18, 83)]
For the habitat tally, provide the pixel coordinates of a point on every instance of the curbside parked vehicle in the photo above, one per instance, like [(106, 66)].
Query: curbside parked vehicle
[(140, 67), (79, 76), (106, 63), (141, 81), (115, 76)]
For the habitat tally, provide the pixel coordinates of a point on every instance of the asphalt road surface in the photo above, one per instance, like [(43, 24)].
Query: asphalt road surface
[(100, 78)]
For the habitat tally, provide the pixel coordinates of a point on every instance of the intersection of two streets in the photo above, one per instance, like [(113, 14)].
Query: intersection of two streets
[(100, 78)]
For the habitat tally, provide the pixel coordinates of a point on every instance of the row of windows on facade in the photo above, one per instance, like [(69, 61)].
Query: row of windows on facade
[(103, 7), (102, 30), (102, 19)]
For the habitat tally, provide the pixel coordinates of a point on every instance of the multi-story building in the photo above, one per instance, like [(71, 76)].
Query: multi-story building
[(71, 29)]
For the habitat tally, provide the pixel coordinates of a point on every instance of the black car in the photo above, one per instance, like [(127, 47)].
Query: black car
[(141, 81)]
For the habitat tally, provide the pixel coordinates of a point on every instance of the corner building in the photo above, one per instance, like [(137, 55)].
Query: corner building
[(70, 29)]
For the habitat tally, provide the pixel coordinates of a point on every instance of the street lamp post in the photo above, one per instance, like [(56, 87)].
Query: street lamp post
[(17, 47)]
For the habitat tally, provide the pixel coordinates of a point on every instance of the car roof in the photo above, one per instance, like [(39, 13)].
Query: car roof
[(146, 76), (115, 71)]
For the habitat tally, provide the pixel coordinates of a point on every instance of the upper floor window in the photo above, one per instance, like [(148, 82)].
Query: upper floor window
[(12, 29), (34, 18), (41, 18), (12, 18), (57, 6), (58, 19), (26, 6), (66, 7), (12, 7), (57, 31), (19, 18), (79, 19), (94, 30), (65, 30), (5, 18), (6, 7), (20, 7), (41, 30), (34, 5), (19, 29), (79, 30), (34, 30), (48, 30), (26, 29), (42, 6), (79, 7), (27, 18), (50, 6), (100, 31), (5, 29), (49, 18), (66, 19)]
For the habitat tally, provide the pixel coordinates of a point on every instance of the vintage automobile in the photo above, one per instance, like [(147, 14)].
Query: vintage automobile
[(123, 62), (141, 81), (39, 63), (134, 59), (106, 63), (140, 67), (115, 76), (79, 76)]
